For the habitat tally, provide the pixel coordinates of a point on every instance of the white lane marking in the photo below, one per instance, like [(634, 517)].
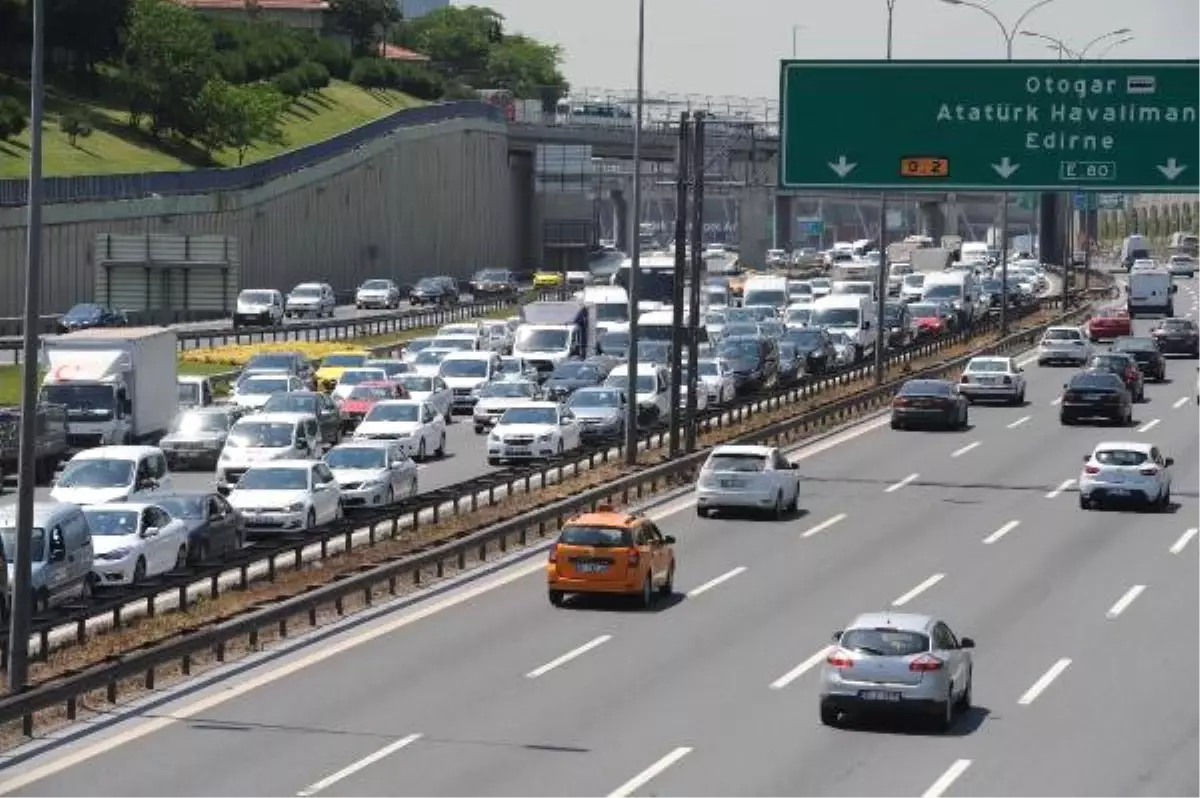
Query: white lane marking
[(1043, 682), (1124, 601), (354, 767), (629, 787), (1019, 422), (711, 583), (901, 483), (1054, 494), (965, 449), (821, 527), (1149, 425), (570, 655), (801, 669), (918, 590), (1184, 539), (1026, 361), (939, 787), (1056, 402), (1001, 532), (1180, 402), (838, 440)]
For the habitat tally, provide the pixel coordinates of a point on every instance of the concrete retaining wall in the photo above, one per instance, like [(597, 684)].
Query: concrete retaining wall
[(434, 199)]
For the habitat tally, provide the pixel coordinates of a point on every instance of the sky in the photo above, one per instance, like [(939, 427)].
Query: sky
[(733, 47)]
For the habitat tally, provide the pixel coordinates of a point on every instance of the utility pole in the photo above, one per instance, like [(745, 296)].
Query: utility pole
[(635, 251), (697, 264), (681, 270), (881, 279)]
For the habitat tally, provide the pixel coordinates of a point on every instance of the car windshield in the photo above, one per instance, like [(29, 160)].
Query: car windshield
[(252, 434), (273, 478), (821, 282), (1134, 345), (431, 357), (595, 398), (457, 344), (260, 386), (190, 508), (356, 457), (1110, 362), (923, 310), (530, 415), (599, 537), (853, 288), (788, 350), (892, 313), (925, 388), (255, 297), (541, 340), (884, 642), (96, 474), (188, 393), (737, 350), (1094, 381), (112, 523), (646, 383), (306, 290), (800, 289), (1119, 457), (37, 543), (427, 284), (615, 341), (270, 362), (988, 364), (734, 315), (990, 286), (836, 317), (612, 311), (343, 361), (574, 371), (401, 411), (459, 329), (417, 384), (491, 276), (1062, 335), (840, 338), (376, 285), (508, 390), (199, 422), (511, 365), (737, 461), (764, 297), (417, 345), (741, 328), (914, 280), (714, 318), (1177, 325), (944, 291), (464, 368), (799, 316), (708, 368), (368, 393), (291, 403)]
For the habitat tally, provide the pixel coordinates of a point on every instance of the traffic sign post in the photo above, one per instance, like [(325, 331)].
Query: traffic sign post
[(990, 125)]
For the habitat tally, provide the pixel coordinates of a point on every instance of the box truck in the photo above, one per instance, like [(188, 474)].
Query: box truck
[(551, 332), (119, 384)]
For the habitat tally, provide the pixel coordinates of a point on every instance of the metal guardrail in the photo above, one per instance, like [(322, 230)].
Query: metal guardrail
[(499, 538)]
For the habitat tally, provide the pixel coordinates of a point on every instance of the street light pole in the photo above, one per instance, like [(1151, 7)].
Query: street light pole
[(795, 29), (881, 279), (22, 592), (635, 253), (1009, 36)]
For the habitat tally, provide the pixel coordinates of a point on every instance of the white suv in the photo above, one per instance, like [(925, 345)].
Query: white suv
[(756, 478), (1126, 471), (1064, 345)]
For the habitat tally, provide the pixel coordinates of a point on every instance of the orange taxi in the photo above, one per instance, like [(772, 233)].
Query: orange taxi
[(614, 553)]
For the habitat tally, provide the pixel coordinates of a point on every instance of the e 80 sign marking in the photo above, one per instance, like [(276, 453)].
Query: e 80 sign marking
[(1004, 125)]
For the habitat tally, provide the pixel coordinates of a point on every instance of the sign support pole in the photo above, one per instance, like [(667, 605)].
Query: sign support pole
[(697, 254), (881, 282), (635, 252), (681, 263), (1004, 265)]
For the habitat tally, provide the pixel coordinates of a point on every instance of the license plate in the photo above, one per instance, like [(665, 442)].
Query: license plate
[(591, 567), (732, 483), (518, 451), (879, 695), (1119, 492), (989, 381), (1090, 397)]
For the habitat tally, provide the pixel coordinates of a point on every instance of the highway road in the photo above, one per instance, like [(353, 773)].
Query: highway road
[(1085, 622)]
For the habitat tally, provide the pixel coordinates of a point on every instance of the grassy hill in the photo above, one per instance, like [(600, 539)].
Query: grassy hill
[(114, 147)]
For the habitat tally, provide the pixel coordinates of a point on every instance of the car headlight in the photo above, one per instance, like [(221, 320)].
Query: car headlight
[(295, 508), (545, 437), (119, 554), (224, 455), (494, 438)]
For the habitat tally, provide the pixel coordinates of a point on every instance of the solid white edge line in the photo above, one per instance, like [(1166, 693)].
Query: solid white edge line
[(627, 789), (711, 583), (1036, 689), (1184, 539), (901, 483), (918, 590), (1149, 425), (570, 655), (1054, 494), (1180, 402), (939, 787), (1019, 422), (1001, 532), (801, 669), (1124, 601), (354, 767), (821, 527), (965, 449)]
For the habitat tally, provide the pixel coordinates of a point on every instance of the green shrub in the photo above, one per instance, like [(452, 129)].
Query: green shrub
[(14, 118), (418, 81), (335, 56), (290, 84), (74, 126), (314, 75), (370, 73)]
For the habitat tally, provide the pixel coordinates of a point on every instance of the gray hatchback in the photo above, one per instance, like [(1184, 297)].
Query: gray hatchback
[(897, 663)]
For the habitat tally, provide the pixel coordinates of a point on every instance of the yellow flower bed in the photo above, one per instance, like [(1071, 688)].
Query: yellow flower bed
[(238, 354)]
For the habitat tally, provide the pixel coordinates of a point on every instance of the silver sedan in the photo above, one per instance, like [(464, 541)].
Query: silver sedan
[(993, 378), (897, 663)]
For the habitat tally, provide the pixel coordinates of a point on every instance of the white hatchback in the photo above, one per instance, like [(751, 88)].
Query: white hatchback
[(749, 478), (1124, 472), (1064, 345)]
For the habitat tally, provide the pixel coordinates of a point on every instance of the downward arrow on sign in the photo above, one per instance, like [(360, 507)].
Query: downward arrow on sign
[(1006, 169), (841, 167), (1172, 170)]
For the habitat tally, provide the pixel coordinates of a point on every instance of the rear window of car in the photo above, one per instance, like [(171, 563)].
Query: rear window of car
[(596, 536), (1096, 382), (988, 365), (1178, 325), (885, 642), (744, 463), (1120, 457), (925, 388), (1134, 345), (1062, 335)]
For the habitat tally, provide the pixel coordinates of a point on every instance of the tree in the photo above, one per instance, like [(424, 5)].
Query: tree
[(238, 117), (14, 118), (169, 57), (527, 68), (458, 39), (88, 31), (75, 127), (366, 21)]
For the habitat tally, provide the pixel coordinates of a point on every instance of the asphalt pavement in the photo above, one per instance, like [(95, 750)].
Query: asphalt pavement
[(1085, 623)]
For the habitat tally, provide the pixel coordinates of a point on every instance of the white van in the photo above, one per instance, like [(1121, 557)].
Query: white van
[(960, 289), (974, 253), (865, 288), (612, 306), (657, 325), (851, 314), (763, 291), (1151, 293), (466, 373)]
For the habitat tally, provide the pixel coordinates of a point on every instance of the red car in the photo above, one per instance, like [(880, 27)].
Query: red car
[(928, 319), (362, 398), (1109, 323)]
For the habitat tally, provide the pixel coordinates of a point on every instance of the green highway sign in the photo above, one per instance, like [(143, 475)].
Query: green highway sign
[(1112, 126)]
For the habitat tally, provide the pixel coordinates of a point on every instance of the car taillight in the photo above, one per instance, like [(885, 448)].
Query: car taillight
[(1091, 469), (633, 557), (1131, 374), (899, 401), (553, 554), (1148, 471), (840, 659), (965, 379), (924, 663)]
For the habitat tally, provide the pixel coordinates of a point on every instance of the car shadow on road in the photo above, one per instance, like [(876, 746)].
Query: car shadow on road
[(601, 603), (965, 724), (734, 514)]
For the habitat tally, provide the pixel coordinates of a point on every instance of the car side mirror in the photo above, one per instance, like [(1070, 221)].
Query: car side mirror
[(58, 554), (794, 466), (1064, 386), (836, 636), (1174, 289), (966, 642), (149, 531), (669, 540), (1170, 461)]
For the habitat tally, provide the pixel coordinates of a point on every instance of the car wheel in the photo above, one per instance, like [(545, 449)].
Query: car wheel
[(964, 700), (556, 597), (897, 424), (311, 520), (181, 557), (389, 498), (1065, 420), (480, 430), (139, 571), (646, 597), (830, 716), (966, 419), (493, 461), (86, 591), (702, 512), (1084, 502), (200, 552), (667, 588), (421, 451), (441, 449), (945, 718), (559, 453), (777, 510), (1164, 501)]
